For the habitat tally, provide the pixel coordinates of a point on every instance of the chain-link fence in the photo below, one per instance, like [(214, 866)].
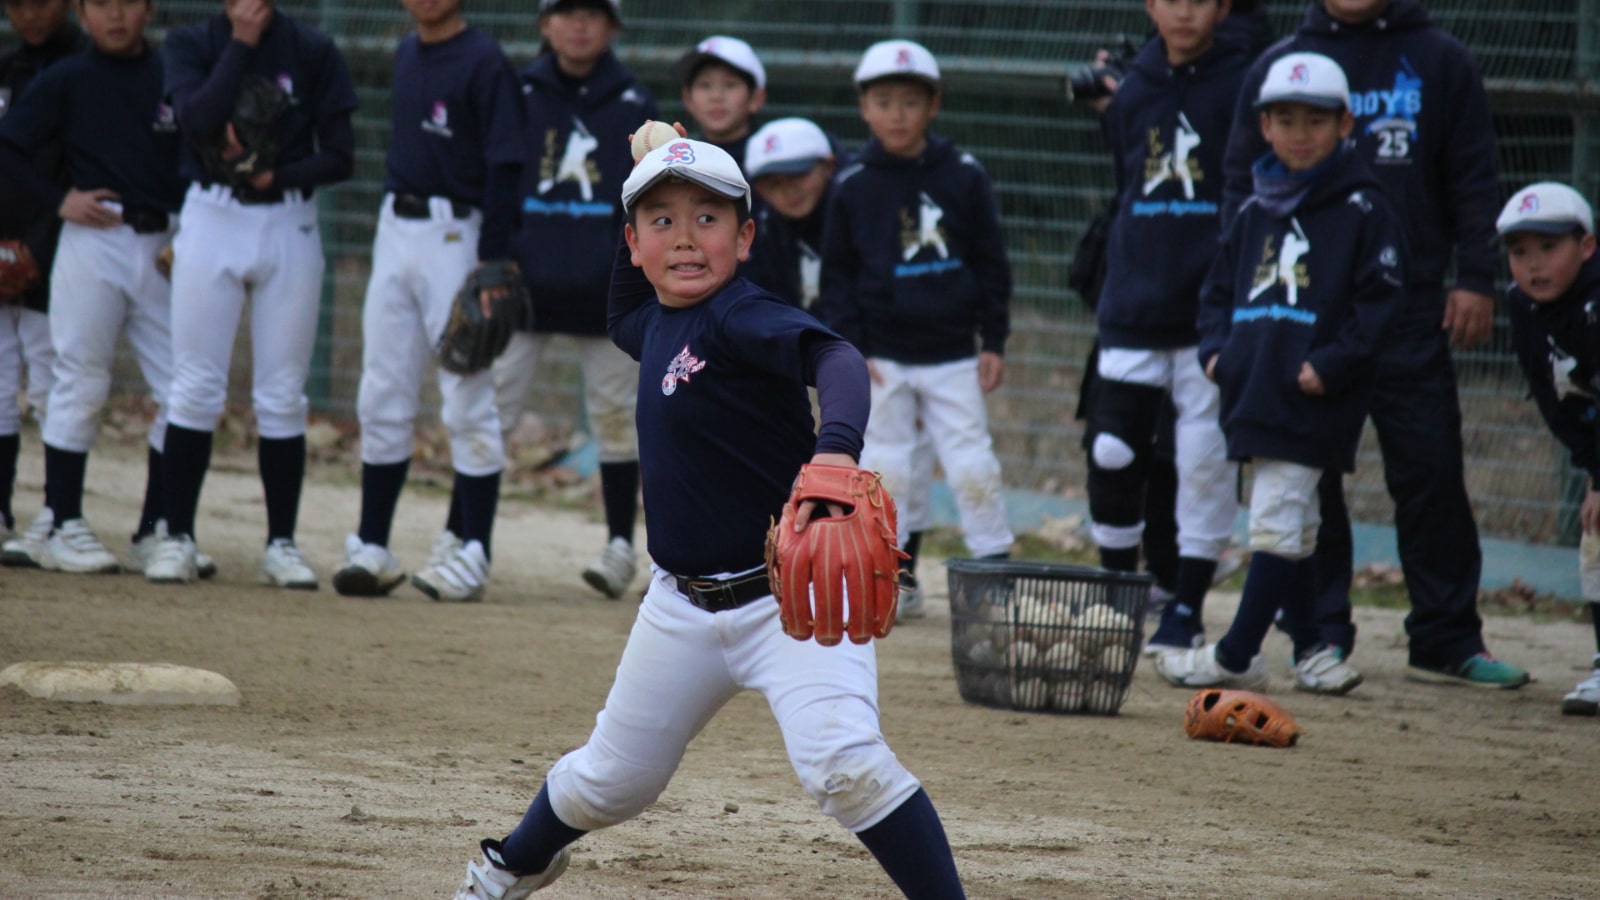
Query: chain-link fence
[(1004, 64)]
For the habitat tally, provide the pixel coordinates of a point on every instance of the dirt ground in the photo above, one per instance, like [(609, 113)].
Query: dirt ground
[(377, 741)]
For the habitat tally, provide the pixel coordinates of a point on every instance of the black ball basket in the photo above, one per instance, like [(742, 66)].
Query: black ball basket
[(1045, 637)]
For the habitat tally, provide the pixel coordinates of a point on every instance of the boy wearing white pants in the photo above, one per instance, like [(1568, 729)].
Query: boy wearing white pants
[(1290, 338)]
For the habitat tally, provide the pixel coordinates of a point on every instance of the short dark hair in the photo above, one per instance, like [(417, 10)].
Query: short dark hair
[(694, 62)]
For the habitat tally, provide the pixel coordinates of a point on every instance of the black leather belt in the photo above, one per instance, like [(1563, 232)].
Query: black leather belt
[(144, 220), (721, 594), (410, 206)]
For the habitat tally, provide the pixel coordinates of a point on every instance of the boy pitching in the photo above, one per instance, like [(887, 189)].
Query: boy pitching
[(915, 274), (1291, 317), (261, 241), (1167, 127), (119, 144), (1554, 306), (1423, 126), (455, 154), (724, 367), (581, 105)]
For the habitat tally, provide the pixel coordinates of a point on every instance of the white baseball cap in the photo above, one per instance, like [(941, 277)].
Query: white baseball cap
[(614, 5), (704, 164), (904, 59), (785, 147), (730, 51), (1309, 78), (1547, 208)]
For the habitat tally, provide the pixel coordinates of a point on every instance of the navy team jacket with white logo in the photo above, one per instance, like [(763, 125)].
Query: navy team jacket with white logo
[(1558, 347), (914, 265), (1422, 125), (1319, 285)]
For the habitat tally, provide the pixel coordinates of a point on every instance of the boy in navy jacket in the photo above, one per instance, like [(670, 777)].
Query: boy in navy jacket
[(1423, 126), (1167, 127), (1554, 305), (1291, 317), (581, 103), (915, 274)]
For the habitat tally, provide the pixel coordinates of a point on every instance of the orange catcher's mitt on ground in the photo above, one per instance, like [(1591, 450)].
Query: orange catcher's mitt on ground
[(840, 575), (18, 271), (1229, 716)]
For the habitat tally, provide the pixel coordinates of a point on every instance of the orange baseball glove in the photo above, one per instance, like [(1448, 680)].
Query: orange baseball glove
[(1228, 716), (840, 575), (18, 271)]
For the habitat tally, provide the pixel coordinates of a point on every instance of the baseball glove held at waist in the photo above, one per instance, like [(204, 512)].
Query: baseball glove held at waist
[(472, 341), (18, 271), (840, 576), (1239, 716)]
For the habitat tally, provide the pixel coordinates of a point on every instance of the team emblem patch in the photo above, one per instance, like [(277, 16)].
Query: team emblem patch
[(678, 153), (681, 367), (1299, 74), (1529, 204), (438, 121)]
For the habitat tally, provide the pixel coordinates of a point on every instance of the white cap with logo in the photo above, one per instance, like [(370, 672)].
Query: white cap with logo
[(704, 164), (729, 51), (785, 147), (1547, 208), (903, 59), (1309, 78)]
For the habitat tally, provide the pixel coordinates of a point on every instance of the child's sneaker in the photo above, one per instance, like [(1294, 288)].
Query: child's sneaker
[(26, 548), (611, 573), (460, 579), (144, 546), (368, 571), (74, 547), (1585, 698), (1326, 672), (911, 604), (1179, 630), (172, 562), (488, 879), (1481, 670), (445, 547), (1198, 667), (283, 566)]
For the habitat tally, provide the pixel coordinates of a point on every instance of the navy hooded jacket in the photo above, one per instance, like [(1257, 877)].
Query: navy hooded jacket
[(1167, 128), (1422, 124), (571, 192), (913, 261), (1316, 285), (786, 257), (1558, 347)]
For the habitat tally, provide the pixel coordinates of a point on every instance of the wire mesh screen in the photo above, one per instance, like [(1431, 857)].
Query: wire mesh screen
[(1004, 64)]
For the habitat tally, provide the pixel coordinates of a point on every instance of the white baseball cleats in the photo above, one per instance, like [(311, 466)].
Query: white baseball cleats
[(143, 550), (1585, 698), (283, 566), (461, 578), (1198, 667), (368, 571), (172, 561), (1326, 672), (74, 547), (25, 549), (487, 879), (613, 571)]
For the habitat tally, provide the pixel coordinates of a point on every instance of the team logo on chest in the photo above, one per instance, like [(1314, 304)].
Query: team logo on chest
[(574, 163), (682, 366), (923, 231), (1283, 267), (1393, 114), (1162, 165), (438, 122), (285, 82), (165, 122)]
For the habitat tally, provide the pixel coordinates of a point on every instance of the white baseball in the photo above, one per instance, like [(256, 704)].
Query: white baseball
[(1031, 693), (1098, 626), (651, 135), (1104, 696), (1021, 655), (983, 653), (1114, 659), (1068, 695), (1062, 657)]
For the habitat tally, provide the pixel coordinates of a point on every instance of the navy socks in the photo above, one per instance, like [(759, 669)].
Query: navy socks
[(1272, 579), (63, 479), (184, 460), (283, 473), (380, 494), (10, 447), (540, 836), (478, 496), (619, 493), (1194, 582), (155, 494), (1119, 559), (911, 845)]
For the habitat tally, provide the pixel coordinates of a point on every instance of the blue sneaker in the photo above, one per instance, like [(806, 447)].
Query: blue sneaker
[(1179, 630), (1481, 670)]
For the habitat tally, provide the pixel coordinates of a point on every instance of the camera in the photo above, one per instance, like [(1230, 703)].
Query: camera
[(1088, 82)]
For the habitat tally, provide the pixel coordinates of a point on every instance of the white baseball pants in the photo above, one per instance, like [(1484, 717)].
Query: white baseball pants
[(682, 664), (418, 266), (24, 348), (947, 400), (226, 252), (610, 389), (104, 283), (1207, 481), (1285, 508)]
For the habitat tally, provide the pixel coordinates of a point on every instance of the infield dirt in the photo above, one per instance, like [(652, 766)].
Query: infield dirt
[(378, 740)]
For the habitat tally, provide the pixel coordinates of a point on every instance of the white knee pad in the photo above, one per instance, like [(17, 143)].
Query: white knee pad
[(1112, 452), (591, 789), (859, 785)]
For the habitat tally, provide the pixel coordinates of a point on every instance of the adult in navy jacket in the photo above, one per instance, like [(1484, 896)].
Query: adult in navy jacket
[(1423, 125)]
